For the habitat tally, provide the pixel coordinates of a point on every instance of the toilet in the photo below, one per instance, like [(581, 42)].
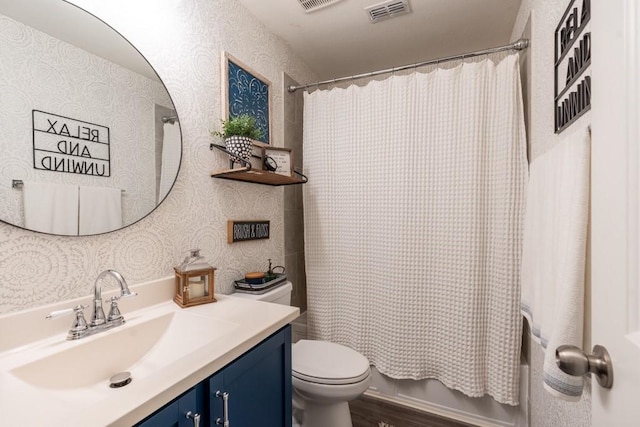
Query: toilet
[(325, 375)]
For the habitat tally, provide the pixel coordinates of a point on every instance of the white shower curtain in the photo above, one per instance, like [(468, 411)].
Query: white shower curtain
[(413, 215)]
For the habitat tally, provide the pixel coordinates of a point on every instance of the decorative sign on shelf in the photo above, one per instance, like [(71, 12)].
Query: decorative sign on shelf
[(282, 158), (62, 144), (246, 92), (572, 62), (239, 231)]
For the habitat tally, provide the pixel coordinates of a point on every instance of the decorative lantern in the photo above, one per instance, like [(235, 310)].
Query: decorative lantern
[(194, 281)]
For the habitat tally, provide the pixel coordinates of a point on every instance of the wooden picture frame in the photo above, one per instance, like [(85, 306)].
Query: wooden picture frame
[(283, 158), (245, 91)]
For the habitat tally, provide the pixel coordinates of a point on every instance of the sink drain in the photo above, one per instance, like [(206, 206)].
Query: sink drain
[(120, 380)]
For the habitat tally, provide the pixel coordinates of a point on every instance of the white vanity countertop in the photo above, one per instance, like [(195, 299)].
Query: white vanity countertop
[(232, 326)]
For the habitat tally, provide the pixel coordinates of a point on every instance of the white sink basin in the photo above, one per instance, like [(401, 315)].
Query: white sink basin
[(140, 346), (166, 348)]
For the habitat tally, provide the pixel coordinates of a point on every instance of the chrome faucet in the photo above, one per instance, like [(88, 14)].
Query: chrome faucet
[(115, 318), (99, 323)]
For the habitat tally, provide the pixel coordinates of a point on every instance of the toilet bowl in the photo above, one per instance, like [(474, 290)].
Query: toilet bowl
[(325, 375)]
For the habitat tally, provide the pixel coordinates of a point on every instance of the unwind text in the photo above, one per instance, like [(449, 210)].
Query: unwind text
[(62, 144)]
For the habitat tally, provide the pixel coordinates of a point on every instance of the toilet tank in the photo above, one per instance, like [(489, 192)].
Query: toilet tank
[(281, 294)]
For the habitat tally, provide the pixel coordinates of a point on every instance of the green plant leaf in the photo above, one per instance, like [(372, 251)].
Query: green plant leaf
[(243, 125)]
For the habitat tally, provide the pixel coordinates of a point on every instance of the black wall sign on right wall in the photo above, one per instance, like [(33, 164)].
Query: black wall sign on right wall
[(572, 61)]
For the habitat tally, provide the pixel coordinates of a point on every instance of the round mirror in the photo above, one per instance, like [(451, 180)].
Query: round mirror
[(89, 136)]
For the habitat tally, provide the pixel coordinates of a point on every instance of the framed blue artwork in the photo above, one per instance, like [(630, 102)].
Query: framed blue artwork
[(246, 92)]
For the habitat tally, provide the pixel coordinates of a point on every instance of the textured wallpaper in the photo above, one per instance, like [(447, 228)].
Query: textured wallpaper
[(545, 16), (182, 40), (43, 73), (547, 411)]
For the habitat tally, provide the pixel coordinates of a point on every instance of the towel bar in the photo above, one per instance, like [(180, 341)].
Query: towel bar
[(18, 184)]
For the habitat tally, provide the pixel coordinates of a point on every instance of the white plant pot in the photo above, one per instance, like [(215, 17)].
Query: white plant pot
[(240, 146)]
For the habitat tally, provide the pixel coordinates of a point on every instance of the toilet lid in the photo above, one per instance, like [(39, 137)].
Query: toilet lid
[(327, 363)]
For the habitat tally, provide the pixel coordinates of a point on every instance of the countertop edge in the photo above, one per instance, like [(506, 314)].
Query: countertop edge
[(172, 381), (150, 406)]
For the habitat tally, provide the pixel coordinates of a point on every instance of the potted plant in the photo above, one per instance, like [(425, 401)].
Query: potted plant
[(238, 133)]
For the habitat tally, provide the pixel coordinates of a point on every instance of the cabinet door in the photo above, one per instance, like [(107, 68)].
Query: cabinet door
[(174, 413), (258, 384)]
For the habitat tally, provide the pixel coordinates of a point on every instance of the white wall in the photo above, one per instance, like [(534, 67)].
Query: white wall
[(182, 39), (43, 73), (544, 16)]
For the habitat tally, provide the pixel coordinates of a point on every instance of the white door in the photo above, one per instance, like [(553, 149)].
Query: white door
[(614, 207)]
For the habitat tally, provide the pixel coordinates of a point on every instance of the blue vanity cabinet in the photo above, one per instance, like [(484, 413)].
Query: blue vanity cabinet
[(258, 386), (174, 413)]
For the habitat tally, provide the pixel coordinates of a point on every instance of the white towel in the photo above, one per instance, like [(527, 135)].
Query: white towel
[(554, 251), (51, 208), (171, 152), (100, 210)]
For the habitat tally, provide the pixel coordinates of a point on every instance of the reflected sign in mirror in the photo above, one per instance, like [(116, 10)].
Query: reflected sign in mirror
[(87, 128)]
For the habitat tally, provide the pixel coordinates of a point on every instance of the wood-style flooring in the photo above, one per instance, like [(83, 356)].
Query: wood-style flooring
[(371, 412)]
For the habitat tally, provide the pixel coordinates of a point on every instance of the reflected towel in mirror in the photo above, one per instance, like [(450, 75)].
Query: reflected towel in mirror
[(100, 210), (171, 152), (51, 208)]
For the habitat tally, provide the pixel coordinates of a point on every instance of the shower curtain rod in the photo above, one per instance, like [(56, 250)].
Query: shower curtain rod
[(517, 45)]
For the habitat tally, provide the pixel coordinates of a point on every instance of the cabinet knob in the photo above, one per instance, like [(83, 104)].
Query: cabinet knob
[(224, 421), (195, 417)]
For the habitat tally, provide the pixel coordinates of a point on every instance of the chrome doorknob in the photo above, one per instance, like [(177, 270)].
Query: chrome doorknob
[(573, 361)]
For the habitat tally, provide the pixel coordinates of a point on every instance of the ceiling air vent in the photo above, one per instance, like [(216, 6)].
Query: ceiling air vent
[(388, 9), (313, 5)]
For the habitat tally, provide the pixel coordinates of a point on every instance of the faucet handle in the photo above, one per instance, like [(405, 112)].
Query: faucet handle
[(115, 317), (79, 327), (64, 312)]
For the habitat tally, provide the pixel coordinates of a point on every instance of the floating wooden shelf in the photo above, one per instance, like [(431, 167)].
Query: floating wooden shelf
[(258, 176)]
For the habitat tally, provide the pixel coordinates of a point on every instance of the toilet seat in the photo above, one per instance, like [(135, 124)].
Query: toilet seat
[(328, 363)]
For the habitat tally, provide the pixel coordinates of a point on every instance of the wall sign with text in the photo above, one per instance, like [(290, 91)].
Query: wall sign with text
[(239, 231), (572, 64), (282, 158), (62, 144)]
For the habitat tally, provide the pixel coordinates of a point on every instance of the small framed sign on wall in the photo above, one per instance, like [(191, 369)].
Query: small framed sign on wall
[(240, 231), (572, 64), (246, 91)]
